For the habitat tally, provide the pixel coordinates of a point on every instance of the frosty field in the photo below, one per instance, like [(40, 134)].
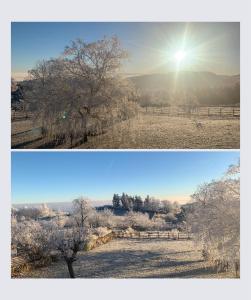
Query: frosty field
[(136, 258), (147, 131), (156, 131)]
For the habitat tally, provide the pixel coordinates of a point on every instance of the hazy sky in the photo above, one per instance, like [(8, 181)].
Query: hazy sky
[(152, 46), (63, 176)]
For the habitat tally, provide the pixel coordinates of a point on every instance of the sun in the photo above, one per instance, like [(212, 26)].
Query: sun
[(180, 55)]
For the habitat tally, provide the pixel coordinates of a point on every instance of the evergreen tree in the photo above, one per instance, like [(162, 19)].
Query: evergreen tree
[(130, 203), (127, 202), (123, 200), (116, 201), (138, 203), (147, 203)]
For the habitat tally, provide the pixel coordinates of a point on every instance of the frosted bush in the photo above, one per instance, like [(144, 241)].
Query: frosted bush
[(215, 220)]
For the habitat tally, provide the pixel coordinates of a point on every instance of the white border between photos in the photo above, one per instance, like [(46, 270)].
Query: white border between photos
[(127, 10)]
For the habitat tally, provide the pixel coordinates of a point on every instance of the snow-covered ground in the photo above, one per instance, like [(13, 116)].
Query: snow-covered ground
[(135, 258), (148, 131)]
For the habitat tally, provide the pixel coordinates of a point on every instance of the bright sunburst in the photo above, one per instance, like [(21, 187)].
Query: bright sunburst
[(180, 55)]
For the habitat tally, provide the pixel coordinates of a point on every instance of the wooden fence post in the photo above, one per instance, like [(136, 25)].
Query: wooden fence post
[(220, 111), (233, 112)]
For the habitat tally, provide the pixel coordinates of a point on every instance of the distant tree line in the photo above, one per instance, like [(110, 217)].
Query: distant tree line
[(149, 204)]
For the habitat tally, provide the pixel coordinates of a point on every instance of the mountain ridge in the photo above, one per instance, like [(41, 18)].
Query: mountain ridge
[(184, 79)]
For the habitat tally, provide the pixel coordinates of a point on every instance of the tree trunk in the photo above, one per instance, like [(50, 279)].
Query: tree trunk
[(70, 269), (84, 128), (83, 125), (85, 138)]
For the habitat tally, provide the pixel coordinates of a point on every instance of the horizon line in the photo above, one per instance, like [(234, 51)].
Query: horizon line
[(136, 74)]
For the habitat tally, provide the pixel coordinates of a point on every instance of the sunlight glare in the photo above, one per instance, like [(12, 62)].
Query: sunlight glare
[(180, 55)]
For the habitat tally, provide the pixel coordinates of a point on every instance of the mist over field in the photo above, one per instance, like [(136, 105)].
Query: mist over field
[(59, 206)]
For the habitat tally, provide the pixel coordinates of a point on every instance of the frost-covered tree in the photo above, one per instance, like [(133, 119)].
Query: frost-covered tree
[(82, 91), (69, 242), (81, 210), (107, 218), (28, 213), (36, 240), (31, 239), (152, 205), (215, 219), (45, 211), (138, 220)]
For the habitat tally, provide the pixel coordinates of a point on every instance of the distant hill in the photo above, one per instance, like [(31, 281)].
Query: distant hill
[(59, 206), (186, 80), (207, 87)]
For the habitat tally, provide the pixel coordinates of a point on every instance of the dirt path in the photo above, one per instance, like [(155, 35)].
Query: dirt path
[(135, 258)]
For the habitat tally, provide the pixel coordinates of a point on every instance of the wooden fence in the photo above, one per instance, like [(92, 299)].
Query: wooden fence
[(207, 111), (170, 235), (17, 115)]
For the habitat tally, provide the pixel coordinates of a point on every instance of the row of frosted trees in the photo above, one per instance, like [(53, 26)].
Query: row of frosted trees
[(149, 204)]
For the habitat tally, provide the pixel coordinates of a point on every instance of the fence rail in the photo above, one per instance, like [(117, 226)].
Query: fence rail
[(207, 111), (153, 234), (20, 115)]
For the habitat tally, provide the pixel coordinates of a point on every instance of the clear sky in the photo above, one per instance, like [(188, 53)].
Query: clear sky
[(63, 176), (152, 46)]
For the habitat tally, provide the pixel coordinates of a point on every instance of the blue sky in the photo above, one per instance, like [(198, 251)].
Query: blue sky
[(63, 176), (214, 46)]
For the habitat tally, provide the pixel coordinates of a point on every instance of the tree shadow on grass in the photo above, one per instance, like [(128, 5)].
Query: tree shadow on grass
[(23, 144), (120, 264), (193, 273), (105, 262)]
